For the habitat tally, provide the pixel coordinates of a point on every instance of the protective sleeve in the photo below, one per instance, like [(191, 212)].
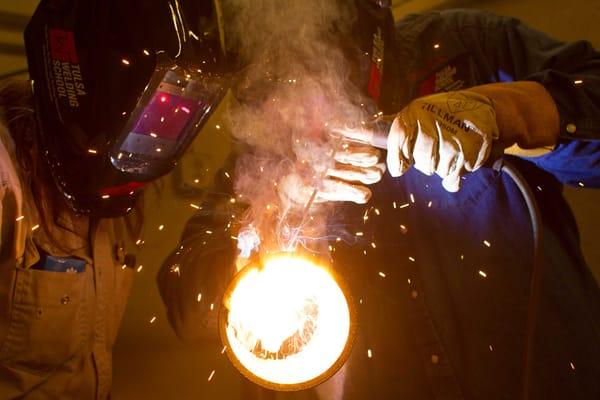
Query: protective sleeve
[(570, 72), (193, 278)]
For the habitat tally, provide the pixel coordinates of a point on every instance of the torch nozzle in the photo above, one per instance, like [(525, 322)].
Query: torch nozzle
[(373, 132)]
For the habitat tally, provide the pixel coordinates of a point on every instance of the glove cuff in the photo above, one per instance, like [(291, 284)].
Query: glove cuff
[(525, 113)]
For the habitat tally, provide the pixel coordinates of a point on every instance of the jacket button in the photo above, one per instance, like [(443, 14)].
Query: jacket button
[(119, 252), (65, 300), (571, 128)]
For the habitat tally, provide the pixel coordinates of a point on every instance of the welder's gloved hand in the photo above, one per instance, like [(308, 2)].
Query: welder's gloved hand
[(446, 134), (355, 167)]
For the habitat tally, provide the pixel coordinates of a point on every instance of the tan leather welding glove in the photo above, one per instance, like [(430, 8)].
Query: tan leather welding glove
[(355, 167), (446, 134), (449, 134)]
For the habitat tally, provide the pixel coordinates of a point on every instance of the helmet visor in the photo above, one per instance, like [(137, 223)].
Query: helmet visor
[(174, 106)]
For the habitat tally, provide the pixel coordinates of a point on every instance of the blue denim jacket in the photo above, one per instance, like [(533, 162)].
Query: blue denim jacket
[(448, 319)]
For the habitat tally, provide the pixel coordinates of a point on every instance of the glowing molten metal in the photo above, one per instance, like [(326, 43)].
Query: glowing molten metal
[(286, 324)]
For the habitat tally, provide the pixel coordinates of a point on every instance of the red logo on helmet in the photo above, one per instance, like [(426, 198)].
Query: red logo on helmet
[(62, 45), (122, 190), (376, 72)]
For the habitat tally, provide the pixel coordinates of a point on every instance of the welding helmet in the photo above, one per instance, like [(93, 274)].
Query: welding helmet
[(121, 88)]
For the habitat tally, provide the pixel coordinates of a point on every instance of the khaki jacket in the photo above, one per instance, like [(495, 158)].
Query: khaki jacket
[(56, 329)]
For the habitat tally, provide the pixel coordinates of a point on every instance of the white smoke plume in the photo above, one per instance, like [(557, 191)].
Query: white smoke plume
[(295, 84)]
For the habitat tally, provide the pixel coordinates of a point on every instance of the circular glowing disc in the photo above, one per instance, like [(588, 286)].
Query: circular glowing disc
[(286, 324)]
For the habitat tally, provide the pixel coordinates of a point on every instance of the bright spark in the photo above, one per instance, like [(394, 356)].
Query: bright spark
[(199, 297), (140, 268), (369, 353), (381, 274), (20, 218), (152, 320), (254, 316), (197, 207), (211, 375), (488, 244), (411, 259), (161, 227), (483, 274), (125, 61), (33, 228), (404, 205)]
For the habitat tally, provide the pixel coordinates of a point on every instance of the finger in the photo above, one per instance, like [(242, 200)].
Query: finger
[(335, 190), (425, 150), (349, 173), (293, 191), (360, 156), (397, 143), (451, 183), (448, 150)]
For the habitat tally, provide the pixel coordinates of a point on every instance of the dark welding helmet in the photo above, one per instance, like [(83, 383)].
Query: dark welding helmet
[(121, 89)]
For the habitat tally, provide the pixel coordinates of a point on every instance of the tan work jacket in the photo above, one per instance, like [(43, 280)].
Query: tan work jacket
[(57, 329)]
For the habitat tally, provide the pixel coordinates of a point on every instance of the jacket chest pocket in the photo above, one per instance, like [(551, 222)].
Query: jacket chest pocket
[(46, 324)]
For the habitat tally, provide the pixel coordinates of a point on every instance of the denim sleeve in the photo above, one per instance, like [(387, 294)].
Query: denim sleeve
[(571, 74), (569, 71), (193, 278)]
